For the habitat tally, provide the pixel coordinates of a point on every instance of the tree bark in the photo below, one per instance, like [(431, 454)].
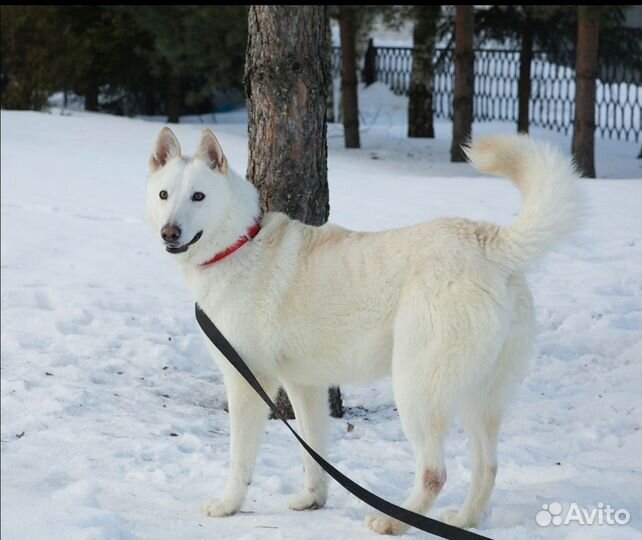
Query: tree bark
[(174, 99), (329, 116), (464, 81), (524, 84), (420, 107), (287, 77), (349, 96), (585, 75)]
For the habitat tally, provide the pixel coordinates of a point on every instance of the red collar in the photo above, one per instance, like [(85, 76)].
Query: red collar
[(251, 233)]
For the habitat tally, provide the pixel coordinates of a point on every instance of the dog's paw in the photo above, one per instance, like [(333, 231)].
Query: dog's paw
[(220, 508), (457, 519), (384, 524), (307, 500)]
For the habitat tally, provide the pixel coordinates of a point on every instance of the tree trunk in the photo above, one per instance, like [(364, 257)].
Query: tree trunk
[(585, 75), (349, 99), (464, 81), (174, 100), (91, 97), (524, 84), (149, 103), (420, 109), (286, 86)]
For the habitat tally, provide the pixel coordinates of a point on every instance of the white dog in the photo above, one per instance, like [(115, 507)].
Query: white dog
[(443, 306)]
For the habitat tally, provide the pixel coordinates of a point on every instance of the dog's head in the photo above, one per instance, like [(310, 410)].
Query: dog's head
[(189, 199)]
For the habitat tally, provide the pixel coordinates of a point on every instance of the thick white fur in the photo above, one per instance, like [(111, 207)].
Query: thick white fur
[(443, 306)]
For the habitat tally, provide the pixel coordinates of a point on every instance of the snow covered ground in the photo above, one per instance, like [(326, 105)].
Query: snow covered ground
[(113, 420)]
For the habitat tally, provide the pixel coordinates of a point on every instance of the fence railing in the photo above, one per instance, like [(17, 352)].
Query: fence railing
[(618, 108)]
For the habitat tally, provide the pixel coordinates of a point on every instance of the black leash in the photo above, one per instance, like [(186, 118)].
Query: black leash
[(413, 519)]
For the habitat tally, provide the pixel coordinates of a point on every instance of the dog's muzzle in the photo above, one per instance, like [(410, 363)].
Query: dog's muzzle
[(173, 248)]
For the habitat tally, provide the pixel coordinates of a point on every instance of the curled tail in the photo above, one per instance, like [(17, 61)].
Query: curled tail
[(552, 200)]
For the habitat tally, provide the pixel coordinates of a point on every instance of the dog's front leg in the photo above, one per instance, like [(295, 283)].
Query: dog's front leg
[(248, 414), (310, 404)]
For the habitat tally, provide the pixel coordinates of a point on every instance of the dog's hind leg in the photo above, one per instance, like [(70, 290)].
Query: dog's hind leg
[(482, 409), (310, 404), (425, 416), (481, 423), (248, 415)]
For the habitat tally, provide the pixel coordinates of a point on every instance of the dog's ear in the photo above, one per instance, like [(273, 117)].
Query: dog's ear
[(166, 148), (210, 151)]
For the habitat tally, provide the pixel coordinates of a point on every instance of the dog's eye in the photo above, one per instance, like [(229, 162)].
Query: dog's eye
[(163, 194), (198, 196)]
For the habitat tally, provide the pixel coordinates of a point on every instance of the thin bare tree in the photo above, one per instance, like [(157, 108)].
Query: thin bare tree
[(420, 100), (586, 65), (464, 81), (348, 27)]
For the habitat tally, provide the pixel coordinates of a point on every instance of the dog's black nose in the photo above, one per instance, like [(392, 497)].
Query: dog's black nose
[(171, 233)]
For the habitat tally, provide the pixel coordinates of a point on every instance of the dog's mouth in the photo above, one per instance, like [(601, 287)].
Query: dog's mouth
[(173, 248)]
